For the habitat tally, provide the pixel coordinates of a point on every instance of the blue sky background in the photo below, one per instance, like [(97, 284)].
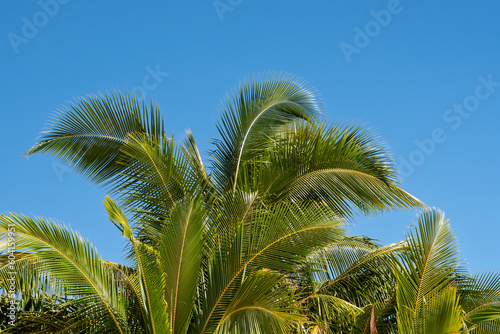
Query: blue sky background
[(400, 81)]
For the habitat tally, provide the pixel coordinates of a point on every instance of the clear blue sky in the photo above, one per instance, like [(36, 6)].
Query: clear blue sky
[(415, 71)]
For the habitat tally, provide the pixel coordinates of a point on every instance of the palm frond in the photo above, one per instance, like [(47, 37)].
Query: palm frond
[(345, 166), (74, 264), (89, 133), (149, 284), (154, 177), (264, 303), (376, 318), (428, 265), (487, 327), (194, 156), (255, 246), (441, 314), (180, 256), (256, 110), (360, 274), (277, 237), (480, 298)]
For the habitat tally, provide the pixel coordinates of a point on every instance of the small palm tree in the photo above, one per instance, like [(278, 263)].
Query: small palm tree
[(434, 291), (234, 248), (419, 285)]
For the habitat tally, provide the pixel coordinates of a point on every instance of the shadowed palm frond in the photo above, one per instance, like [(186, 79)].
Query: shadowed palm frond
[(381, 316), (264, 303), (352, 271), (486, 327), (345, 166), (361, 274), (480, 298), (149, 285)]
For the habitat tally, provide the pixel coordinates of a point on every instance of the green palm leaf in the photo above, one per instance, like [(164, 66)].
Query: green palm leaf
[(75, 264), (254, 112), (180, 255), (428, 266), (264, 303), (480, 298), (441, 314), (357, 272), (151, 281), (486, 327), (360, 273), (89, 133), (277, 237), (344, 166)]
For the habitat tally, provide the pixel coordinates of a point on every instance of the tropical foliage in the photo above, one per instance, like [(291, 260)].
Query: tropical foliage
[(254, 243)]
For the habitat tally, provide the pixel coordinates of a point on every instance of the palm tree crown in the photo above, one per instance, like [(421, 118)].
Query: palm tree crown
[(253, 243)]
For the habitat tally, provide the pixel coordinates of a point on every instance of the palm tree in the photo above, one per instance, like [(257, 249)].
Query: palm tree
[(233, 248), (435, 292), (419, 285)]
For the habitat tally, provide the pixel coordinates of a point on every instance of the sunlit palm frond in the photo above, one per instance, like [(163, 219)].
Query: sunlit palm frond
[(74, 264), (180, 255), (257, 109), (441, 314), (277, 237), (200, 174), (427, 267), (89, 133)]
